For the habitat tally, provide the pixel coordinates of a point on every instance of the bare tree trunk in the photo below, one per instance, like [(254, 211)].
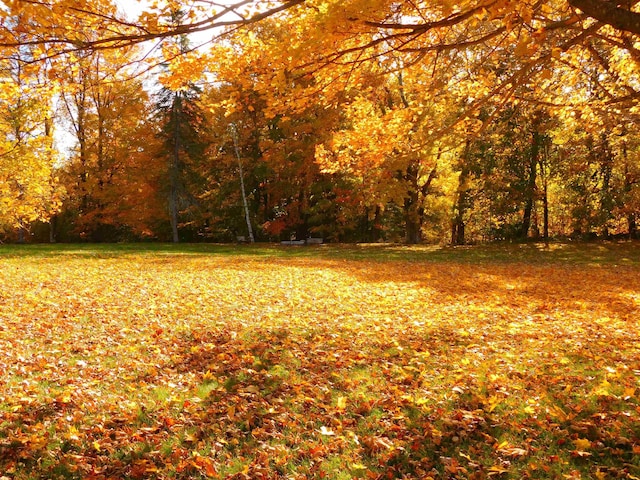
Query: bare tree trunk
[(174, 170), (531, 184), (48, 131), (245, 204), (462, 202)]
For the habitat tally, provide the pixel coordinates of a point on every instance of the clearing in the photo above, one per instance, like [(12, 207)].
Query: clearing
[(204, 361)]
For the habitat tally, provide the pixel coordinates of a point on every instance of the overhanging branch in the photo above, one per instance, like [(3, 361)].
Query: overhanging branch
[(610, 13)]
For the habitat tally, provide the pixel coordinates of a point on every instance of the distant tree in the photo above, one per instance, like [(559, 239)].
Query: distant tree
[(184, 133)]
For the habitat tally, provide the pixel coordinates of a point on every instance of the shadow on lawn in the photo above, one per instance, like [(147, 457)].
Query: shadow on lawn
[(536, 288), (269, 398), (602, 252), (278, 390), (516, 288), (599, 276)]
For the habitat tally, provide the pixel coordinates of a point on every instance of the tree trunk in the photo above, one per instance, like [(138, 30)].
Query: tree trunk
[(462, 202), (544, 173), (412, 212), (375, 232), (245, 204), (545, 206), (457, 232), (606, 196), (413, 230), (52, 228), (628, 185), (413, 223), (82, 144), (174, 170), (611, 13), (48, 132), (633, 227), (531, 186)]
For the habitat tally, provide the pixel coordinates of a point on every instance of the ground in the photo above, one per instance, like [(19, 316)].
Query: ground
[(201, 361)]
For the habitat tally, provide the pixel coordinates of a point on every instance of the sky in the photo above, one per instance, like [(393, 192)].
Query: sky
[(131, 8)]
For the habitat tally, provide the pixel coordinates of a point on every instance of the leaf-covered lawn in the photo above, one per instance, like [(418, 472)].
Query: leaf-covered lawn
[(333, 362)]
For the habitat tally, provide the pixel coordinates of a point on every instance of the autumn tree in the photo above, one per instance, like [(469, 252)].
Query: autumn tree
[(502, 178), (106, 115), (276, 142), (599, 180), (394, 101), (416, 21), (543, 31), (29, 190)]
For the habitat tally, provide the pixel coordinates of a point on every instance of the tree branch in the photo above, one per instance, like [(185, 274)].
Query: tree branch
[(610, 13), (449, 21), (129, 38)]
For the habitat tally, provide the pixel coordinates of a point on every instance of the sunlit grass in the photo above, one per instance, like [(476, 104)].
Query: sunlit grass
[(333, 362)]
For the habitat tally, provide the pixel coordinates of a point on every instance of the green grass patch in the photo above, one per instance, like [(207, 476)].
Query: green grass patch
[(622, 252)]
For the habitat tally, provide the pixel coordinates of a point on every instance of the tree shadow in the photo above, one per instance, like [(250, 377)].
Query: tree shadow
[(401, 349)]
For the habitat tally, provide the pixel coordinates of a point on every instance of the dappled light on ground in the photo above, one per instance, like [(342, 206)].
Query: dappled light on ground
[(151, 365)]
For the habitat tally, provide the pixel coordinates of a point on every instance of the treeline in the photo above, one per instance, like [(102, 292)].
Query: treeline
[(175, 174), (469, 144)]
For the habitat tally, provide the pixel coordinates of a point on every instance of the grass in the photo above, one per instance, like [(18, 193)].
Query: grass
[(619, 252), (369, 361)]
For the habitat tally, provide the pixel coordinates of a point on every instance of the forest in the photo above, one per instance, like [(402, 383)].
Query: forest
[(353, 121), (447, 151)]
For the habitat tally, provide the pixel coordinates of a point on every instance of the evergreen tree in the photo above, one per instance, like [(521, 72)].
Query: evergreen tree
[(184, 132)]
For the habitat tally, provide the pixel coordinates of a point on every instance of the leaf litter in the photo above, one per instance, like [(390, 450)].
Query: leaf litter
[(158, 366)]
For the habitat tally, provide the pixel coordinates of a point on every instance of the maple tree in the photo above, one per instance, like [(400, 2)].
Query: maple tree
[(204, 16), (108, 118), (517, 66), (28, 185), (285, 187), (388, 95)]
